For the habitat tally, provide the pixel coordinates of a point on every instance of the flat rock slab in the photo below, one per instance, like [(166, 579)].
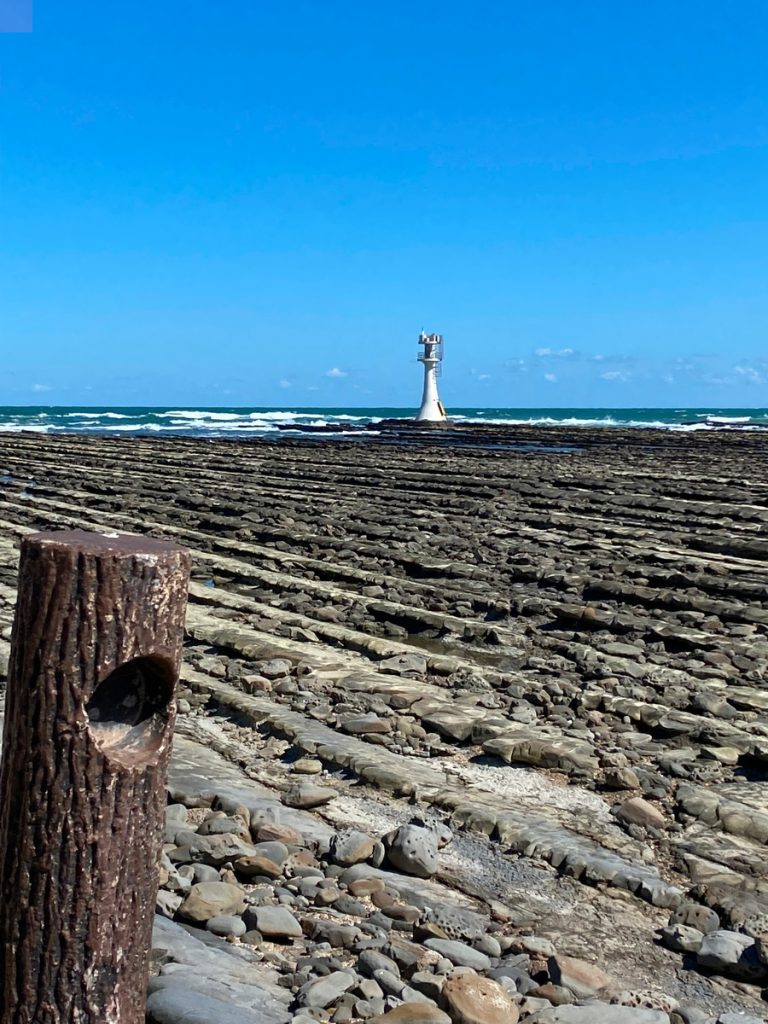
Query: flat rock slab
[(197, 772), (420, 892), (201, 963), (600, 1013), (176, 1004)]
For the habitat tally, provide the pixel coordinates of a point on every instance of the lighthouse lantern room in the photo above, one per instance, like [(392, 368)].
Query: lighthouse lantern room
[(431, 356)]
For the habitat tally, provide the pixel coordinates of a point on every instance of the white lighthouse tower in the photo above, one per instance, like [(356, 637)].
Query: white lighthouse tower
[(431, 410)]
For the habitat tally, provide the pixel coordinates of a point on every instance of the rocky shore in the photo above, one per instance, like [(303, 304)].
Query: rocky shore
[(474, 723)]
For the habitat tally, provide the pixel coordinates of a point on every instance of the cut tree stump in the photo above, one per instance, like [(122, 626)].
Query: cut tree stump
[(95, 657)]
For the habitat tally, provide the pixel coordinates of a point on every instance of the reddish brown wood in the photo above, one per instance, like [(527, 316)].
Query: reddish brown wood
[(95, 656)]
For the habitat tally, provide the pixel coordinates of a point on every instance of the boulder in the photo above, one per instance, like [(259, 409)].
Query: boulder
[(275, 668), (214, 850), (412, 849), (405, 664), (212, 899), (731, 953), (472, 999), (638, 811), (351, 847), (694, 915), (681, 938), (584, 980)]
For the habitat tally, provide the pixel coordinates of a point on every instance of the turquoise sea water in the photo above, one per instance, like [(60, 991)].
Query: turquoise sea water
[(259, 422)]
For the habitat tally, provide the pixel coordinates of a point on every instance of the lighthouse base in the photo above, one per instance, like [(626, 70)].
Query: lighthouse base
[(432, 413)]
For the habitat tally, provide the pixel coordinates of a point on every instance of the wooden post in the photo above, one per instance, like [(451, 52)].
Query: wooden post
[(95, 656)]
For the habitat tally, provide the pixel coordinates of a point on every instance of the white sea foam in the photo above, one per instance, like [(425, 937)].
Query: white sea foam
[(711, 422), (729, 419), (17, 428), (129, 426), (552, 421), (198, 414), (94, 415)]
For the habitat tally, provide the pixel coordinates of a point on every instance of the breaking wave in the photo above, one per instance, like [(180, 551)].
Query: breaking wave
[(264, 422)]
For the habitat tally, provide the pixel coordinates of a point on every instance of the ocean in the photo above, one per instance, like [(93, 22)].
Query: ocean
[(265, 422)]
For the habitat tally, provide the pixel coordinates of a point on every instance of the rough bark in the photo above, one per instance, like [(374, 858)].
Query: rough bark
[(95, 656)]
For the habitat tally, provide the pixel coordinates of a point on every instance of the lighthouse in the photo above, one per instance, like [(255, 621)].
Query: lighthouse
[(431, 356)]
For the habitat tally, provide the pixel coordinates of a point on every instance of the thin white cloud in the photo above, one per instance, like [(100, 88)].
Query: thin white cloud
[(615, 375), (42, 387), (285, 383), (551, 377), (559, 353), (335, 372), (484, 376), (753, 375)]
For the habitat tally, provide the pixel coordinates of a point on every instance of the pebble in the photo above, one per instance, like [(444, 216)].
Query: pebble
[(371, 960), (323, 992), (584, 980), (535, 946), (414, 1013), (273, 922), (638, 811), (205, 873), (167, 903), (226, 926), (459, 953), (366, 886), (307, 766), (306, 795)]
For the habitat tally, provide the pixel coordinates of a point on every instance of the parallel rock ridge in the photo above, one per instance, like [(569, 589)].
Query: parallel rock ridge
[(555, 651)]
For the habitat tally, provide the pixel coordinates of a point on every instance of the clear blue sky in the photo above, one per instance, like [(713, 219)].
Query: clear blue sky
[(243, 203)]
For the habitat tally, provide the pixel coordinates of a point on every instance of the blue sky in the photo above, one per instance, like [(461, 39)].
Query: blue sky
[(262, 204)]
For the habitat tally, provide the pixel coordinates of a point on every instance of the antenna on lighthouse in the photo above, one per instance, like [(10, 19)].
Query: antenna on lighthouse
[(431, 356)]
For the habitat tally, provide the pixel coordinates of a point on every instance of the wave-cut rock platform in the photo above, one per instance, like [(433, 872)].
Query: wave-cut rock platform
[(474, 722)]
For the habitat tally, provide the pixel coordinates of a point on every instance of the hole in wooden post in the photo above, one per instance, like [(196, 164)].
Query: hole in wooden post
[(128, 712)]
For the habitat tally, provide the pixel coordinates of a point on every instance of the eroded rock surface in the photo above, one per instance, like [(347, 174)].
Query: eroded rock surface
[(490, 707)]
